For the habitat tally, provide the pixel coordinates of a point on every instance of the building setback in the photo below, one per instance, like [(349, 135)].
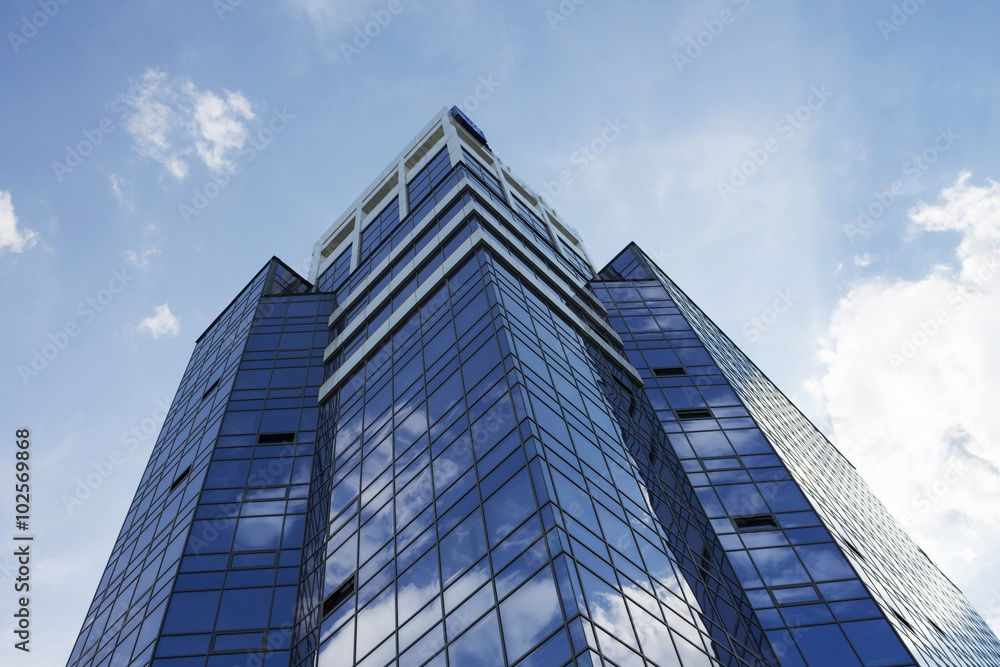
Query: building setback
[(458, 443)]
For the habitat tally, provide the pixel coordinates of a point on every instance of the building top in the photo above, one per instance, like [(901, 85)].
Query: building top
[(450, 128)]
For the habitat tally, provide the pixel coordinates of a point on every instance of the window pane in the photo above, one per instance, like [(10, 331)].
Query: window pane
[(463, 546), (508, 507), (479, 646), (191, 612), (244, 609), (258, 533), (530, 614)]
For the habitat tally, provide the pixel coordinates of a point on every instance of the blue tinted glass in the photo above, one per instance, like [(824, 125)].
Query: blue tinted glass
[(530, 614), (479, 646), (607, 607), (419, 584), (556, 651), (279, 421), (258, 533), (710, 443), (508, 507), (244, 609), (783, 496), (791, 595), (784, 647), (825, 645), (183, 645), (239, 641), (740, 499), (191, 612), (240, 422), (211, 537), (824, 562), (779, 566), (463, 546), (223, 474), (876, 643)]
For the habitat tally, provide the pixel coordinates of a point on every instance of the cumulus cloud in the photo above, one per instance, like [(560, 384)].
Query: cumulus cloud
[(218, 126), (911, 386), (161, 323), (173, 120), (12, 238)]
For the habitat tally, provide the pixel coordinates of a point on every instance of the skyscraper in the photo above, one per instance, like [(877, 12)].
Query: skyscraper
[(457, 443)]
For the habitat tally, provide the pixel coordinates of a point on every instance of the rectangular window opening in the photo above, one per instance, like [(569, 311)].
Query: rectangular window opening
[(276, 438), (338, 597), (211, 388), (180, 478), (693, 413), (255, 559), (672, 371), (754, 522)]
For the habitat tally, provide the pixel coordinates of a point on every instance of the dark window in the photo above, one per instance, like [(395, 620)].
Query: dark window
[(211, 387), (338, 597), (180, 478), (900, 618), (693, 413), (276, 439), (754, 522), (672, 371), (622, 385), (854, 550)]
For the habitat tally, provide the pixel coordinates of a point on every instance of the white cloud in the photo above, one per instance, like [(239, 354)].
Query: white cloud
[(10, 237), (116, 187), (141, 259), (332, 18), (162, 323), (218, 128), (911, 384), (865, 259), (154, 100), (172, 120)]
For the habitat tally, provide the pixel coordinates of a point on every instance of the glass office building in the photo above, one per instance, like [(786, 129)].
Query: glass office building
[(458, 443)]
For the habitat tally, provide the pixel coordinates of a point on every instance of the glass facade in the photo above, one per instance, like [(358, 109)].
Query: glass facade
[(462, 445), (858, 576)]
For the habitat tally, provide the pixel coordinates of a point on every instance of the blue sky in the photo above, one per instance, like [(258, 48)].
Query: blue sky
[(739, 142)]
